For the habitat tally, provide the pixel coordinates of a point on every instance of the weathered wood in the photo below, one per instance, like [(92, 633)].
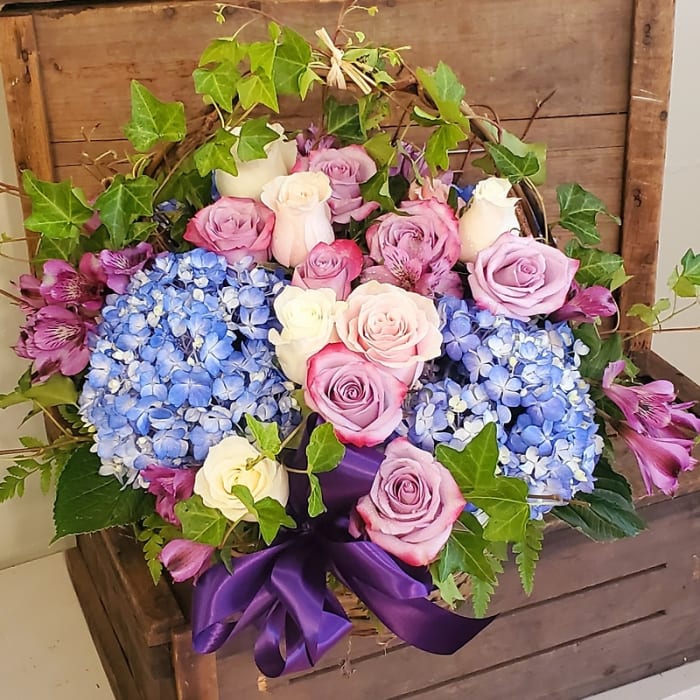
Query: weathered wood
[(195, 674), (650, 87)]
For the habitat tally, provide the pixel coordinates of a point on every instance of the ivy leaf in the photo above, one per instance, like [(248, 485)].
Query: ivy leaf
[(257, 89), (306, 80), (441, 141), (464, 552), (223, 51), (58, 210), (373, 110), (517, 147), (152, 120), (343, 120), (124, 201), (55, 249), (55, 391), (201, 523), (691, 266), (476, 463), (527, 553), (378, 189), (578, 210), (216, 154), (316, 505), (87, 502), (447, 587), (269, 513), (510, 165), (381, 148), (266, 435), (650, 315), (218, 84), (255, 135), (324, 451), (446, 92), (291, 63), (597, 266), (262, 57), (601, 352)]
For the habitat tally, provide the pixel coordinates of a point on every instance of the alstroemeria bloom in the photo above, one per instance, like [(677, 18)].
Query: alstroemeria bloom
[(82, 288), (55, 338), (169, 486), (586, 304), (646, 407), (185, 559), (120, 265)]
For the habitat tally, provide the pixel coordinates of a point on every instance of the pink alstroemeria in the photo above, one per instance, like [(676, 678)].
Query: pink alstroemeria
[(30, 293), (55, 338), (120, 265), (660, 460), (169, 486), (586, 304), (185, 559), (646, 407), (82, 288)]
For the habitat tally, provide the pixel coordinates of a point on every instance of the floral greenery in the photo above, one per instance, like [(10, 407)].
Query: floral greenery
[(239, 81)]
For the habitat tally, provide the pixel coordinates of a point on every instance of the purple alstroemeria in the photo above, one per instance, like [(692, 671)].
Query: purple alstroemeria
[(185, 559), (30, 293), (55, 338), (660, 460), (120, 265), (169, 486), (586, 304), (82, 288), (646, 407)]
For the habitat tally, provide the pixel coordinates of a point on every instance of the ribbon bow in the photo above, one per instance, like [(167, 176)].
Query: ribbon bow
[(282, 590)]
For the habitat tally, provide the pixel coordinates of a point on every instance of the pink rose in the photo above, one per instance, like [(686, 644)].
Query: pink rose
[(347, 168), (330, 266), (429, 188), (520, 277), (413, 503), (391, 327), (235, 227), (360, 400), (409, 246)]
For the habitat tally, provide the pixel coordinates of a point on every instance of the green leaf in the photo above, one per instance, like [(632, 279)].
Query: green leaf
[(58, 210), (267, 436), (218, 84), (201, 523), (441, 141), (381, 148), (578, 210), (650, 315), (343, 120), (464, 552), (152, 120), (55, 391), (316, 505), (446, 92), (691, 266), (324, 451), (124, 201), (216, 154), (476, 463), (291, 63), (597, 266), (257, 89), (514, 167), (269, 513), (447, 587), (87, 502), (601, 352), (306, 80), (481, 590), (517, 147), (55, 248), (223, 51), (255, 135), (373, 110), (527, 553), (378, 189), (262, 57)]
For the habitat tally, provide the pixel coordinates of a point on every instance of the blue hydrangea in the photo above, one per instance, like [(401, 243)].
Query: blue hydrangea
[(179, 359), (521, 376)]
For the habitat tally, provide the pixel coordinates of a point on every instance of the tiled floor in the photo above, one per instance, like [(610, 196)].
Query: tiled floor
[(46, 652)]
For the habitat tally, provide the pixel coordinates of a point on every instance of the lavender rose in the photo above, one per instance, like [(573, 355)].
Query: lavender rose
[(519, 277), (411, 506), (330, 266), (362, 401), (347, 168), (409, 246), (235, 227), (120, 265)]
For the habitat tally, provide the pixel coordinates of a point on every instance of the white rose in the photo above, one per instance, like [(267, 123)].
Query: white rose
[(308, 325), (490, 213), (254, 174), (225, 467), (303, 217)]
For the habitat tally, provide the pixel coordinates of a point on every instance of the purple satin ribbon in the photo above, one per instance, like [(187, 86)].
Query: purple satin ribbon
[(282, 590)]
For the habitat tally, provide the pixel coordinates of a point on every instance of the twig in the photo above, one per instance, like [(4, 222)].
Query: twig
[(540, 104)]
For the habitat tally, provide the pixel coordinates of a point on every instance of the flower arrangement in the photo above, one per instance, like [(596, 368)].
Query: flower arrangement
[(305, 361)]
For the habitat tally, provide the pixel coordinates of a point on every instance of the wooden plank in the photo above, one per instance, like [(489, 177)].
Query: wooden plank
[(650, 87), (87, 83), (115, 664), (195, 674), (22, 80)]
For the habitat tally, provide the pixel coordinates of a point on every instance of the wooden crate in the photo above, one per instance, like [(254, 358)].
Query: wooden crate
[(601, 615)]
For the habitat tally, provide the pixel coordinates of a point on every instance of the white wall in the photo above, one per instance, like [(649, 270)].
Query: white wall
[(680, 225), (25, 525)]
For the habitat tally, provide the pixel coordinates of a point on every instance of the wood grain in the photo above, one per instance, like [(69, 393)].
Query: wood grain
[(650, 86), (195, 674)]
